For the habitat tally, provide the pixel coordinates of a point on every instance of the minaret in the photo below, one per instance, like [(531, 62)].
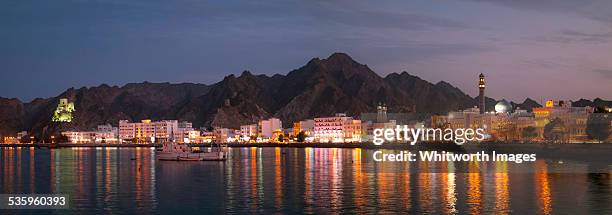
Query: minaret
[(481, 93)]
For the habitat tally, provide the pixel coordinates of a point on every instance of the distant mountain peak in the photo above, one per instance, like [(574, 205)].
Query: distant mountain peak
[(340, 56), (246, 73), (528, 104), (529, 100), (229, 77), (337, 58), (445, 84)]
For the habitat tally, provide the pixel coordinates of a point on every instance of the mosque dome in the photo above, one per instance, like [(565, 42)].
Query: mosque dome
[(503, 106)]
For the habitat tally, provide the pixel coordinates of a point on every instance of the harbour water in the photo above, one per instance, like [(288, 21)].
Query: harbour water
[(293, 180)]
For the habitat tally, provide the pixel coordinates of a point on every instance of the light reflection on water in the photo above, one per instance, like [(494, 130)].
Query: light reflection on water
[(292, 180)]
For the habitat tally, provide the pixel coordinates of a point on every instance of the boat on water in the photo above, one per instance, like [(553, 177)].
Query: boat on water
[(173, 151)]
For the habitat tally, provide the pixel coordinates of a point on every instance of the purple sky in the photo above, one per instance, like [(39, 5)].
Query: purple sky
[(539, 49)]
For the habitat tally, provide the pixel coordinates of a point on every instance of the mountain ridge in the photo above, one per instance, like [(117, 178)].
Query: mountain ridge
[(321, 87)]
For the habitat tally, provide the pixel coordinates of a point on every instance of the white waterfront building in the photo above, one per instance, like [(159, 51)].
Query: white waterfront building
[(337, 129)]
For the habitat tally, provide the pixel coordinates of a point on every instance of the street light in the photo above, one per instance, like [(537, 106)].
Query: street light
[(32, 139)]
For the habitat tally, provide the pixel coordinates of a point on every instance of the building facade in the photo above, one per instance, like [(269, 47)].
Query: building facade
[(306, 126), (337, 129), (268, 127), (104, 134), (147, 131), (574, 119), (185, 133), (224, 135), (249, 132)]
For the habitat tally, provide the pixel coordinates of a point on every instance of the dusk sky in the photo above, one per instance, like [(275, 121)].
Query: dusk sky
[(545, 49)]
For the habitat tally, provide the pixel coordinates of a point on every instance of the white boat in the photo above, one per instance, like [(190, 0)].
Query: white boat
[(182, 152)]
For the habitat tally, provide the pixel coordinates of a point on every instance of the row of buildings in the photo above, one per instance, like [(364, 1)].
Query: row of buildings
[(338, 129), (508, 124), (520, 125), (505, 124), (145, 131)]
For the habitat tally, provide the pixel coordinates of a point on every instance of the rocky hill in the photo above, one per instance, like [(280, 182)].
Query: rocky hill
[(595, 103), (99, 105), (322, 87), (528, 104)]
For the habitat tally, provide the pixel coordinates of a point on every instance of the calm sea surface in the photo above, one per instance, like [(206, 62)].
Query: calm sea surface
[(291, 180)]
